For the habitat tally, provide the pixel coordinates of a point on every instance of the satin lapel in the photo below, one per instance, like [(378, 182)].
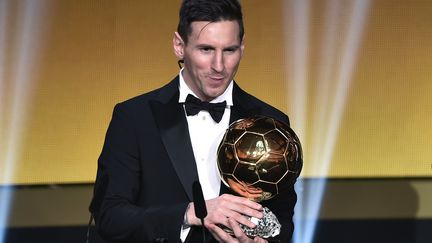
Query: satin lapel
[(174, 132), (242, 105)]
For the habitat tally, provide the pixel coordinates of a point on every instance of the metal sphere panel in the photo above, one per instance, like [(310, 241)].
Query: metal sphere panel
[(250, 147), (259, 157)]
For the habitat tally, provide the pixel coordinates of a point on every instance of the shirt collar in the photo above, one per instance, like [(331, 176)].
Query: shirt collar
[(185, 90)]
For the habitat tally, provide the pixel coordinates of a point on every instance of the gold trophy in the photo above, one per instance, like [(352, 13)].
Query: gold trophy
[(259, 158)]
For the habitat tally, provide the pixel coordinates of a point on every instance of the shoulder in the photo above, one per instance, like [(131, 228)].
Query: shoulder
[(140, 102), (257, 106)]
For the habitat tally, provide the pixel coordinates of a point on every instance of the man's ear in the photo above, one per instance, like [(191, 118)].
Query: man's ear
[(242, 45), (178, 45)]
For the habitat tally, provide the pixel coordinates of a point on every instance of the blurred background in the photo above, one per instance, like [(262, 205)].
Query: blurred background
[(354, 76)]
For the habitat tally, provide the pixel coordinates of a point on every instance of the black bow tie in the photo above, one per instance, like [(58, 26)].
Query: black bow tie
[(194, 105)]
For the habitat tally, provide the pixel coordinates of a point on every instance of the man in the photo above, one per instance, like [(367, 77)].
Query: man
[(156, 146)]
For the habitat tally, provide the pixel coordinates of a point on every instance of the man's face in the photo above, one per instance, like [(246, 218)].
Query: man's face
[(211, 56)]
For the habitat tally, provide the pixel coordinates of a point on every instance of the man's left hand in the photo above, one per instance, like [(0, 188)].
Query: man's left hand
[(239, 236)]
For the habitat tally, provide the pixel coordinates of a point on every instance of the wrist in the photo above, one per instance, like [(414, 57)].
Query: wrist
[(190, 215), (186, 223)]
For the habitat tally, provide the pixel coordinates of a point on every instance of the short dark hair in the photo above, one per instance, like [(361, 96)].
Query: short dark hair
[(208, 10)]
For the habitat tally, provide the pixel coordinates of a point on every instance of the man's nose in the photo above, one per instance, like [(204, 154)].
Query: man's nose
[(218, 62)]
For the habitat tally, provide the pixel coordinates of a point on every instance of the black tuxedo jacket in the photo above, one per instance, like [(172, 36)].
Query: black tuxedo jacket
[(147, 167)]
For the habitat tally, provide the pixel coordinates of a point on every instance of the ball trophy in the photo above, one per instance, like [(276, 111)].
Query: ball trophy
[(258, 158)]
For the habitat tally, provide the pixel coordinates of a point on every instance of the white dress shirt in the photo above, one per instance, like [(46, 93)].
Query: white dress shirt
[(205, 136)]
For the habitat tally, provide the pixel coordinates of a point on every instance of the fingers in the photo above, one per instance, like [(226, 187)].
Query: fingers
[(239, 236), (239, 218), (219, 234), (230, 206), (241, 205), (238, 232), (242, 201), (259, 240)]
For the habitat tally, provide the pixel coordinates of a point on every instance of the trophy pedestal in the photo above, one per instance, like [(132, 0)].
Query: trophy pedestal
[(266, 227)]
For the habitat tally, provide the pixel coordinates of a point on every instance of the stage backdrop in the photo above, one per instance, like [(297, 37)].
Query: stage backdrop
[(355, 78)]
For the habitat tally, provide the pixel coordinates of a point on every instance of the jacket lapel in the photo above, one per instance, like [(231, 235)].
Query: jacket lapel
[(170, 118), (243, 105)]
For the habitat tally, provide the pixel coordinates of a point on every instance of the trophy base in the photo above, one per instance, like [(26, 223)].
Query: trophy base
[(266, 227)]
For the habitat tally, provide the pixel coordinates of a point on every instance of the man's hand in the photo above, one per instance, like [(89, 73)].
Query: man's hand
[(239, 237), (230, 211), (226, 206)]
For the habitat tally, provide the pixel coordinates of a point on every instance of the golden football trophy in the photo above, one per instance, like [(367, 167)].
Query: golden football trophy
[(259, 158)]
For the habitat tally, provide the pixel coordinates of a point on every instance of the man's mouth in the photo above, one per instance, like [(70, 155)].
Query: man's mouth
[(217, 78)]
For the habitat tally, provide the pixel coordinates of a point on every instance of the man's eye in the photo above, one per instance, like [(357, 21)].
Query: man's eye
[(230, 50), (205, 49)]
